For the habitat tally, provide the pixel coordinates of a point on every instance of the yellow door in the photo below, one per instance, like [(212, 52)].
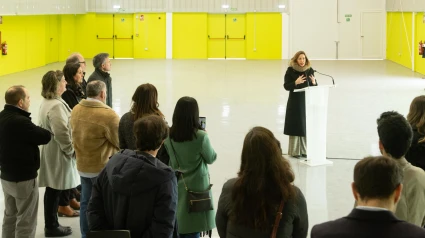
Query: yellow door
[(123, 36), (235, 36), (104, 34), (216, 36), (53, 45)]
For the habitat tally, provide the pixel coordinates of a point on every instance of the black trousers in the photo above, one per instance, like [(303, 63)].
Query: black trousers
[(66, 196), (51, 203)]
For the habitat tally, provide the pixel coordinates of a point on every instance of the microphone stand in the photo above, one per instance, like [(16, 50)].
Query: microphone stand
[(333, 81)]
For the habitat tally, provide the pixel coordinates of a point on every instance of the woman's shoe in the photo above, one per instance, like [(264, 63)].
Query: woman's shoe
[(67, 211), (74, 204), (304, 155), (58, 231), (296, 156)]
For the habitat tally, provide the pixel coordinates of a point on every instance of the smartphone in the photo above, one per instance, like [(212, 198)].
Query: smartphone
[(203, 122)]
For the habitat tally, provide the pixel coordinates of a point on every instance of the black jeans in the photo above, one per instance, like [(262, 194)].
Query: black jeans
[(51, 203)]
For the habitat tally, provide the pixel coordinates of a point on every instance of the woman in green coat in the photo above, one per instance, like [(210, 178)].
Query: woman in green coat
[(190, 151)]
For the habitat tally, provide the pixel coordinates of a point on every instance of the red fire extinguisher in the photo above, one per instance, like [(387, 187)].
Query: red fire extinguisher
[(4, 48), (421, 49)]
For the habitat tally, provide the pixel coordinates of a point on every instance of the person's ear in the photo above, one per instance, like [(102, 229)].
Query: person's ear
[(354, 191), (381, 148), (397, 193)]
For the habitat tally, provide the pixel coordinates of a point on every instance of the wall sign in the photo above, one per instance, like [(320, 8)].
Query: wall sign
[(348, 17), (142, 17)]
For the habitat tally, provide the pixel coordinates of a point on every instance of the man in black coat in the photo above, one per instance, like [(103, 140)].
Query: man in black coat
[(377, 189), (19, 161), (136, 191), (102, 65)]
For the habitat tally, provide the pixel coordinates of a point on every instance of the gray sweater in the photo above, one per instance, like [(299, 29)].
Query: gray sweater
[(125, 132), (294, 222)]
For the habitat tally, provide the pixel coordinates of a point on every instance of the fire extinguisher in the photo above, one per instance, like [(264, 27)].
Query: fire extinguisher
[(421, 49), (4, 48)]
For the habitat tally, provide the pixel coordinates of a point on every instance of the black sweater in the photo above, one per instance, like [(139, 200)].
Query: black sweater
[(19, 141)]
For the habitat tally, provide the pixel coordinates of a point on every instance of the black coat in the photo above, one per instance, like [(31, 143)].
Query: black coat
[(367, 224), (134, 192), (106, 78), (295, 119), (19, 141), (416, 153), (72, 97)]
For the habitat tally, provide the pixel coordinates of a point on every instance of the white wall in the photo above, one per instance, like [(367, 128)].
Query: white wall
[(212, 6), (316, 25), (405, 5), (42, 7)]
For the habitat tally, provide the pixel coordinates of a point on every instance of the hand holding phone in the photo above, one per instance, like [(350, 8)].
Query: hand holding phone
[(203, 122)]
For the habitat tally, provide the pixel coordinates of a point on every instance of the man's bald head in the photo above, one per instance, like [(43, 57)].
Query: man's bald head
[(77, 58)]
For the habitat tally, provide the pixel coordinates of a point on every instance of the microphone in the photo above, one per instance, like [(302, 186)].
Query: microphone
[(333, 81)]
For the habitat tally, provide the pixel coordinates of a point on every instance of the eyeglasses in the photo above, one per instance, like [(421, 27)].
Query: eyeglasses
[(84, 62)]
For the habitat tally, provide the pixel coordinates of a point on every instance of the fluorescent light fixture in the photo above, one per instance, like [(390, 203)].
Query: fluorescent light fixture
[(225, 6), (116, 6), (281, 6)]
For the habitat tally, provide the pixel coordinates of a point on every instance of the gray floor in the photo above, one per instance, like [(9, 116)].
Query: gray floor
[(237, 95)]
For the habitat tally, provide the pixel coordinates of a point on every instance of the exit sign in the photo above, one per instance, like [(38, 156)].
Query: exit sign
[(233, 9)]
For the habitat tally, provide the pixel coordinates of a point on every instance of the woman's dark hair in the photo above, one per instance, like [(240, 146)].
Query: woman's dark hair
[(416, 116), (185, 120), (145, 101), (50, 83), (69, 71), (264, 180), (150, 132)]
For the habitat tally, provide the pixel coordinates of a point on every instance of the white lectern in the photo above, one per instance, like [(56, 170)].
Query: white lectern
[(316, 106)]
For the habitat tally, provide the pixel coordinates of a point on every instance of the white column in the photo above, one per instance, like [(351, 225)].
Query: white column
[(285, 36), (169, 35), (414, 44)]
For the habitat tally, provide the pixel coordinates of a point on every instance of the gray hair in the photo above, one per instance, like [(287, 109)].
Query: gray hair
[(94, 88), (73, 59), (100, 59)]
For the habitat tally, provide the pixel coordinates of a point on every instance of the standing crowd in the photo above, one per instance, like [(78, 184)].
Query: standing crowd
[(139, 174)]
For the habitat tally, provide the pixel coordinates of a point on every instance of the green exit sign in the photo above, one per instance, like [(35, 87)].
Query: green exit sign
[(348, 15), (233, 9)]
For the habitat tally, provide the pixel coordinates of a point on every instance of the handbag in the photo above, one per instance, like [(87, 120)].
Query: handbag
[(277, 220), (199, 201)]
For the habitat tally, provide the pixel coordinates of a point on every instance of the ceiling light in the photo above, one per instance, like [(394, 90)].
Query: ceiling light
[(282, 6), (117, 6), (225, 6)]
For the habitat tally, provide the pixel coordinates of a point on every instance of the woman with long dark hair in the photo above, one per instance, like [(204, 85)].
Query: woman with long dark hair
[(190, 152), (416, 118), (249, 204), (145, 103), (74, 78)]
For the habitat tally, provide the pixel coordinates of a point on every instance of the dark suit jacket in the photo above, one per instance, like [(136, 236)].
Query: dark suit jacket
[(367, 224)]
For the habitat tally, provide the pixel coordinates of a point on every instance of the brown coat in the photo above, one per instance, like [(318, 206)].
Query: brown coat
[(95, 135)]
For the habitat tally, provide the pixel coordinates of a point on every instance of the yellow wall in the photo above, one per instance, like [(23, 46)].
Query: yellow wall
[(419, 36), (151, 40), (399, 38), (25, 37), (190, 36), (85, 35), (264, 36)]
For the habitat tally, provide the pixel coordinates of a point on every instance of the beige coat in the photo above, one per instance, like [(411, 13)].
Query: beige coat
[(57, 163), (95, 134), (411, 207)]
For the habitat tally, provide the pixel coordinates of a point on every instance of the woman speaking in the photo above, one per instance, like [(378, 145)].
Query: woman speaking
[(298, 75)]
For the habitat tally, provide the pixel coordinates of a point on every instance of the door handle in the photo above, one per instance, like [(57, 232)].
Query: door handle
[(236, 38)]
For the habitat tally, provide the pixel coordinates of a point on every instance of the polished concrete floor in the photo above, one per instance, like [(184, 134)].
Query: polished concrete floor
[(237, 95)]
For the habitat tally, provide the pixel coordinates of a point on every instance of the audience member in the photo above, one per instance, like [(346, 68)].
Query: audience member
[(58, 168), (19, 162), (74, 77), (416, 118), (95, 138), (190, 151), (395, 138), (136, 191), (75, 58), (377, 188), (249, 204), (102, 65)]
